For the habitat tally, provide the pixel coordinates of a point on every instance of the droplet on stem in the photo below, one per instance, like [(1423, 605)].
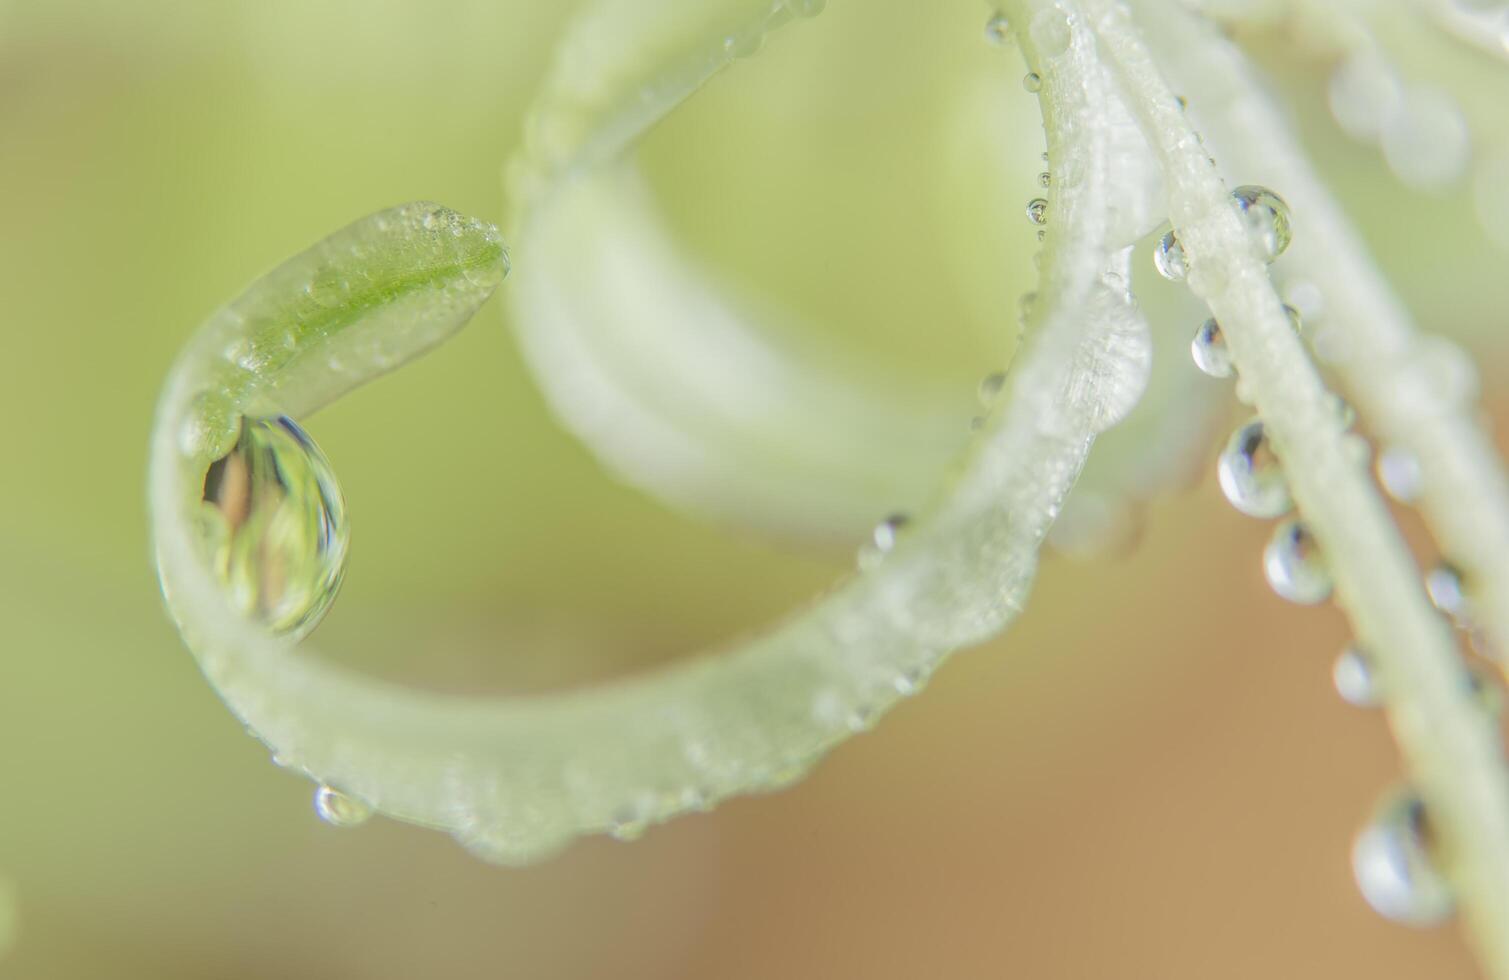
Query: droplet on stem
[(1399, 474), (1354, 678), (1394, 868), (339, 810), (1037, 211), (1250, 474), (1168, 257), (275, 523), (1295, 568), (1209, 350), (1266, 217)]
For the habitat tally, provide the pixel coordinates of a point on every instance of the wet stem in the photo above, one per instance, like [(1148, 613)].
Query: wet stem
[(1450, 748)]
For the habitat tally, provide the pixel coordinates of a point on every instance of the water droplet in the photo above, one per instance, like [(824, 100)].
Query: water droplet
[(1250, 474), (1399, 474), (1355, 680), (1294, 566), (882, 539), (1037, 211), (339, 810), (275, 524), (1296, 322), (1267, 219), (630, 822), (1032, 82), (1168, 257), (998, 29), (1447, 591), (1209, 350), (1392, 863), (1341, 409), (1042, 235), (1045, 179), (991, 385)]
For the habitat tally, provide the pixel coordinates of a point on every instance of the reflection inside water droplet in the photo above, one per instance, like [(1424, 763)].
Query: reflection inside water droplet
[(1168, 258), (1209, 350), (275, 526)]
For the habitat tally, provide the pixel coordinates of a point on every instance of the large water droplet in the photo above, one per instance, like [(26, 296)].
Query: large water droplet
[(1210, 352), (339, 810), (1294, 566), (1392, 862), (1355, 679), (1168, 257), (1266, 217), (276, 525), (1250, 474)]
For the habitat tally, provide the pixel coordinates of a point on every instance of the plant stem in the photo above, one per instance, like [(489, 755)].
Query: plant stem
[(1449, 746)]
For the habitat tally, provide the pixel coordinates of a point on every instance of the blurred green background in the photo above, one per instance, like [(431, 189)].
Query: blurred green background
[(1148, 776)]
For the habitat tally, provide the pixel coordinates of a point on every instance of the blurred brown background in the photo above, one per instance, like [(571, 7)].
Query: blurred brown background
[(1148, 776)]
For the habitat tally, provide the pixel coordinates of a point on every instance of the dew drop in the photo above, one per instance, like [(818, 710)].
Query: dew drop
[(339, 810), (1168, 257), (1446, 590), (882, 539), (1210, 352), (276, 526), (1037, 211), (1032, 82), (1250, 474), (998, 29), (1392, 863), (1267, 219), (1045, 179), (1296, 322), (1294, 566), (1355, 681), (1399, 474)]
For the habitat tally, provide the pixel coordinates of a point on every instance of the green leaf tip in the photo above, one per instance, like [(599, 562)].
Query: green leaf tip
[(356, 305)]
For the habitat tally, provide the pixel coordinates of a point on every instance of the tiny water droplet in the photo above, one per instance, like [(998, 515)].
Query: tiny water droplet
[(629, 823), (1392, 863), (1045, 179), (275, 524), (1210, 352), (1032, 82), (1042, 235), (339, 810), (1341, 409), (990, 386), (1037, 211), (882, 539), (1294, 566), (1024, 307), (1399, 474), (1267, 219), (1168, 257), (1355, 681), (1183, 102), (1296, 322), (1445, 587), (1250, 474), (998, 29)]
